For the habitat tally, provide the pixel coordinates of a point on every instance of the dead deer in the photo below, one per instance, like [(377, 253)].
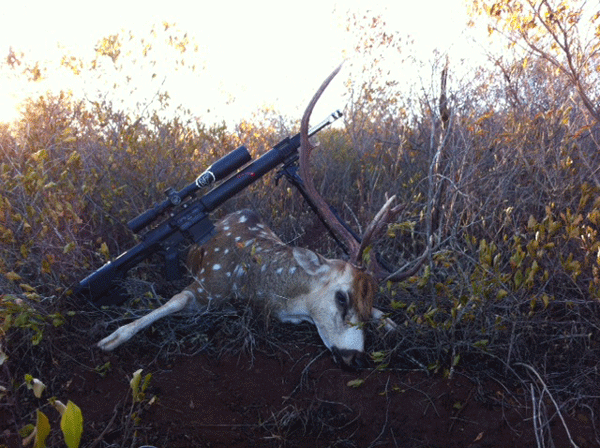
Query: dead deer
[(246, 259)]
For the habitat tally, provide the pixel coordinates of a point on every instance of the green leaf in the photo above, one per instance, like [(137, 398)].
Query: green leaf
[(42, 427), (71, 425), (146, 382), (26, 431), (134, 384), (13, 276), (502, 293), (69, 247), (37, 336), (378, 356), (482, 343), (355, 383), (399, 305), (455, 360)]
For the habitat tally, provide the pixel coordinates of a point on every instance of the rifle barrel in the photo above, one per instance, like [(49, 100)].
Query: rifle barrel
[(330, 119)]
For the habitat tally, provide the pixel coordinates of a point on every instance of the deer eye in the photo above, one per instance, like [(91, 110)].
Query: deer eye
[(341, 299)]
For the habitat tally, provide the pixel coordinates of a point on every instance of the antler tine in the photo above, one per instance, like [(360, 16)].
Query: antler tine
[(380, 219), (404, 272), (304, 167)]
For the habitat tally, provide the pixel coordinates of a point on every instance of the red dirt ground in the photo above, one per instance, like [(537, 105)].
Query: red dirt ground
[(287, 394)]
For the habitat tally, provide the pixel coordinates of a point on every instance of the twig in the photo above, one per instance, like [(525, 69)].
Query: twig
[(536, 430), (304, 374), (103, 433), (387, 414), (545, 389)]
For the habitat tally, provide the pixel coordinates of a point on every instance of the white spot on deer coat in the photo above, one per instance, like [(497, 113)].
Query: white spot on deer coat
[(243, 218), (216, 267)]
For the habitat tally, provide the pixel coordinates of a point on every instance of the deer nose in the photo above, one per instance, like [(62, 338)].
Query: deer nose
[(349, 359)]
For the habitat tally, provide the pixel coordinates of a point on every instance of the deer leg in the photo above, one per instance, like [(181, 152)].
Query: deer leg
[(122, 334)]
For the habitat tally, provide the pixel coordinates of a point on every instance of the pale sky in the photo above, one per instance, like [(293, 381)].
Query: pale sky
[(264, 52)]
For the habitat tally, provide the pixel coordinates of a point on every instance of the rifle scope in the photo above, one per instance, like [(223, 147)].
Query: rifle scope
[(217, 171)]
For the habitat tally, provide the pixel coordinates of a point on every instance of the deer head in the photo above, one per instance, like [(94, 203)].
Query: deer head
[(364, 279)]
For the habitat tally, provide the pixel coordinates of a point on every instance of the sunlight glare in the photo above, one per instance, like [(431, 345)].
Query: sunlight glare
[(9, 102), (256, 54)]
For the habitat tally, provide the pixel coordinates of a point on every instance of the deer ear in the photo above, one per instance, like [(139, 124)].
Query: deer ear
[(308, 260)]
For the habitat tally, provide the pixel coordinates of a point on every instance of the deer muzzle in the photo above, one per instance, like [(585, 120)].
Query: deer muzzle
[(350, 359)]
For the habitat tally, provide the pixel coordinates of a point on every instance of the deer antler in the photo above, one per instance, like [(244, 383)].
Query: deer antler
[(305, 151), (385, 214)]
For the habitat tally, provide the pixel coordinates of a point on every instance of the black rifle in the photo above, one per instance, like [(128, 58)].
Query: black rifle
[(190, 219)]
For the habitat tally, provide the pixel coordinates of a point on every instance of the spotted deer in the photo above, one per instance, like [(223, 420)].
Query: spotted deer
[(246, 259)]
